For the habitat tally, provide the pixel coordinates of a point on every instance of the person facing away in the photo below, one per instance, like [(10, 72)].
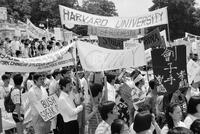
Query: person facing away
[(195, 126), (193, 111), (18, 113), (119, 127), (92, 114), (109, 112)]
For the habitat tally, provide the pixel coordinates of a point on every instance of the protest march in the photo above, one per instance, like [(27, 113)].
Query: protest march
[(126, 76)]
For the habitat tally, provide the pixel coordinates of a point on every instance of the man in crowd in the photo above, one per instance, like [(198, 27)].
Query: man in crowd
[(109, 112), (36, 93)]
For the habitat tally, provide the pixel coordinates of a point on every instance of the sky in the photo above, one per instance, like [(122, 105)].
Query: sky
[(129, 8)]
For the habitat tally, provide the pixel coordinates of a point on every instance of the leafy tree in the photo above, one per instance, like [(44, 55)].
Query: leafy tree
[(97, 7), (180, 16), (17, 9), (100, 7), (43, 10)]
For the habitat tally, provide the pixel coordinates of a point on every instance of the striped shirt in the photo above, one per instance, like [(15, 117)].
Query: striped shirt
[(93, 121), (103, 128)]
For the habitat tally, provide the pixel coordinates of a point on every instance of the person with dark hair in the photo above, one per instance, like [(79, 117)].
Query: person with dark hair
[(40, 50), (67, 107), (29, 81), (144, 123), (195, 127), (66, 73), (18, 113), (53, 87), (5, 87), (119, 127), (92, 114), (193, 110), (180, 130), (111, 91), (32, 50), (109, 112), (173, 118), (36, 93)]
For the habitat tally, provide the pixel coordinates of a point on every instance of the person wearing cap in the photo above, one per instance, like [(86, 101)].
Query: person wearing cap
[(109, 112)]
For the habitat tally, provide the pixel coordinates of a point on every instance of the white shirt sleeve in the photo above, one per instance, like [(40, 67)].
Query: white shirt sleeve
[(164, 130), (188, 121), (67, 108)]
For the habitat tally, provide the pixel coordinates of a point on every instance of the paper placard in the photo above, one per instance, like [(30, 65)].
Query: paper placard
[(48, 107)]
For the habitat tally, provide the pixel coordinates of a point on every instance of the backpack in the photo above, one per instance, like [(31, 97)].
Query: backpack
[(8, 103)]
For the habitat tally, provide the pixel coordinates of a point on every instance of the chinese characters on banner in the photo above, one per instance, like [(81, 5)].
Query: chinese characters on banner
[(169, 67)]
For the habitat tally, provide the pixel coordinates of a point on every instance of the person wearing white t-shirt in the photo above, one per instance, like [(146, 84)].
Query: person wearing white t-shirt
[(15, 46), (111, 91), (36, 93)]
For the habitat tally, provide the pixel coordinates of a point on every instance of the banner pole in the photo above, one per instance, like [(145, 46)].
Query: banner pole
[(92, 99), (168, 32), (63, 32), (81, 116)]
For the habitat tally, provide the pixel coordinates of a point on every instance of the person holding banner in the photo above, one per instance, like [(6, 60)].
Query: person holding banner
[(92, 114), (36, 93), (67, 107)]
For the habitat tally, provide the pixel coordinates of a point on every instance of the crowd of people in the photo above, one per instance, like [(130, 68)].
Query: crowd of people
[(100, 96)]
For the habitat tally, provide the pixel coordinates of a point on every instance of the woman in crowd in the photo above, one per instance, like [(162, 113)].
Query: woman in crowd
[(195, 127), (40, 50), (119, 127), (67, 107), (173, 118), (193, 111), (32, 50)]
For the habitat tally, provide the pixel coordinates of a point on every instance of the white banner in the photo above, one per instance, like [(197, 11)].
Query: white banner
[(97, 59), (7, 65), (48, 107), (53, 56), (192, 69), (7, 119), (148, 54), (154, 18), (36, 32)]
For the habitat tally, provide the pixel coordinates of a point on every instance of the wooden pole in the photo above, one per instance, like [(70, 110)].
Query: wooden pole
[(81, 115), (92, 99)]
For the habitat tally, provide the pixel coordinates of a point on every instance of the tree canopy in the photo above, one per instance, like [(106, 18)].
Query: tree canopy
[(181, 16), (47, 11)]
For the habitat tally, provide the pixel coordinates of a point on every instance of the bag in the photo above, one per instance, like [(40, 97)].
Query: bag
[(8, 103)]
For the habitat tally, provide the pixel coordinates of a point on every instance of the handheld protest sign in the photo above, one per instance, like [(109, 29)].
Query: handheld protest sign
[(169, 67), (48, 107), (153, 40)]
